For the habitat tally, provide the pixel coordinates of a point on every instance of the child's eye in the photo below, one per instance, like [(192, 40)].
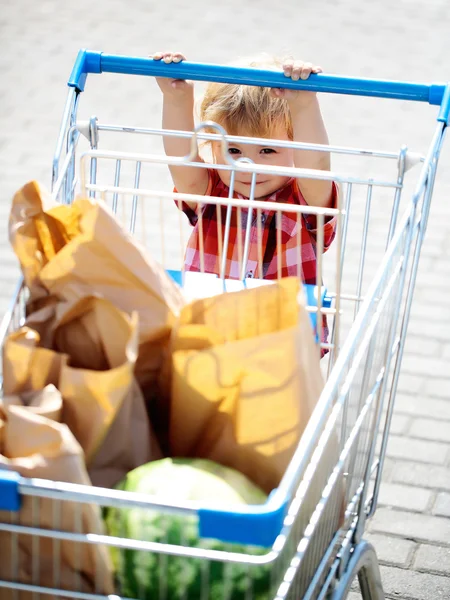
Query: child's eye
[(268, 151), (234, 151)]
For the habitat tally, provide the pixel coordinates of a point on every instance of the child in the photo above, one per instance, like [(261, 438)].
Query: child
[(264, 113)]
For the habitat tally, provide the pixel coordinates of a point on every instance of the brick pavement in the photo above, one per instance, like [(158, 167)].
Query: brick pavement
[(407, 40)]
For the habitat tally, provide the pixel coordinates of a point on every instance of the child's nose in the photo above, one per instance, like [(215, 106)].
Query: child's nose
[(249, 155)]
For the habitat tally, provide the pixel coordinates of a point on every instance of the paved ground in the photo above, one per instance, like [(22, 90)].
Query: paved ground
[(408, 40)]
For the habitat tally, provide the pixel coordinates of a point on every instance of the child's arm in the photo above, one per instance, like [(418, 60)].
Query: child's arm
[(308, 127), (178, 114)]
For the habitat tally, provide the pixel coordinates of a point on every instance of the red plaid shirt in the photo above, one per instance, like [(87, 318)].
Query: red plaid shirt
[(298, 236)]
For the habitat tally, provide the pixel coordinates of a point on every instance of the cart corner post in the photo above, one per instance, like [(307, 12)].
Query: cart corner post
[(87, 61), (444, 112), (10, 498)]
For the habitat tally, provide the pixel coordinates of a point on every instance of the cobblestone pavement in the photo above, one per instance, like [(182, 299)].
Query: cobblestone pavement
[(407, 39)]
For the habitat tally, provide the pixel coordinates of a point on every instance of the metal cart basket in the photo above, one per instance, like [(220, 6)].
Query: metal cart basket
[(313, 553)]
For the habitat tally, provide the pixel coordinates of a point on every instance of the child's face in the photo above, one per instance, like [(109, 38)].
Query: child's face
[(264, 155)]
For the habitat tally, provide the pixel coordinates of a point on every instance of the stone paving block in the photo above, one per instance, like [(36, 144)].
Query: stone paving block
[(403, 583), (437, 386), (422, 311), (434, 289), (432, 558), (431, 429), (392, 550), (11, 272), (409, 383), (429, 476), (442, 269), (423, 346), (442, 505), (410, 525), (436, 330), (423, 365), (404, 497), (420, 450), (422, 406), (399, 424)]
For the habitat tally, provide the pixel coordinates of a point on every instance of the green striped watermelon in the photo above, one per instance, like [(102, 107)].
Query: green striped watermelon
[(153, 576)]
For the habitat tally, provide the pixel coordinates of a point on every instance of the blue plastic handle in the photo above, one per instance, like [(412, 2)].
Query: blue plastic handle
[(98, 62)]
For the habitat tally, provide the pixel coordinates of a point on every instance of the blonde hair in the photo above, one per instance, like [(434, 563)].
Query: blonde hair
[(244, 109)]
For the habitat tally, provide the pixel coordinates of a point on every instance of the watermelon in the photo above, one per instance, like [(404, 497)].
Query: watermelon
[(151, 576)]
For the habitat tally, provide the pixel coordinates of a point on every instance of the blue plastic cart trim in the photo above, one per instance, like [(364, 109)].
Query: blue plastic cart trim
[(444, 113), (177, 276), (9, 490), (85, 63), (311, 296), (253, 525), (98, 62)]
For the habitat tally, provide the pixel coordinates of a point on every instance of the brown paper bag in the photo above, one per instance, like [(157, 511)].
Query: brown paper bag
[(27, 367), (246, 377), (80, 250), (38, 229), (35, 443), (95, 347), (104, 259)]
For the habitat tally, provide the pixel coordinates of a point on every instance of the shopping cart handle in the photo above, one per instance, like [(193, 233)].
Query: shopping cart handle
[(98, 62)]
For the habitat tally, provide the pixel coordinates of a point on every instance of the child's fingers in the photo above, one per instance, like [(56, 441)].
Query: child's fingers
[(297, 70), (288, 65), (169, 57), (306, 70), (178, 57)]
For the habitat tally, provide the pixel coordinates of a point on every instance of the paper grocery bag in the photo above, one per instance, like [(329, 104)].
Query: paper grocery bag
[(104, 258), (26, 366), (35, 443), (70, 252), (92, 348), (245, 379), (38, 229), (129, 443)]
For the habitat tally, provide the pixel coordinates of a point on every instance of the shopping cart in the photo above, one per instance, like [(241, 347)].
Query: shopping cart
[(313, 553)]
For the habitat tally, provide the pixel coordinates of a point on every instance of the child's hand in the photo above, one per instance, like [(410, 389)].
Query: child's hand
[(172, 86), (297, 69)]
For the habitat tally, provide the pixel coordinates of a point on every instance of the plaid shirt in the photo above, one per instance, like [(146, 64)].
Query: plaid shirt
[(298, 236)]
